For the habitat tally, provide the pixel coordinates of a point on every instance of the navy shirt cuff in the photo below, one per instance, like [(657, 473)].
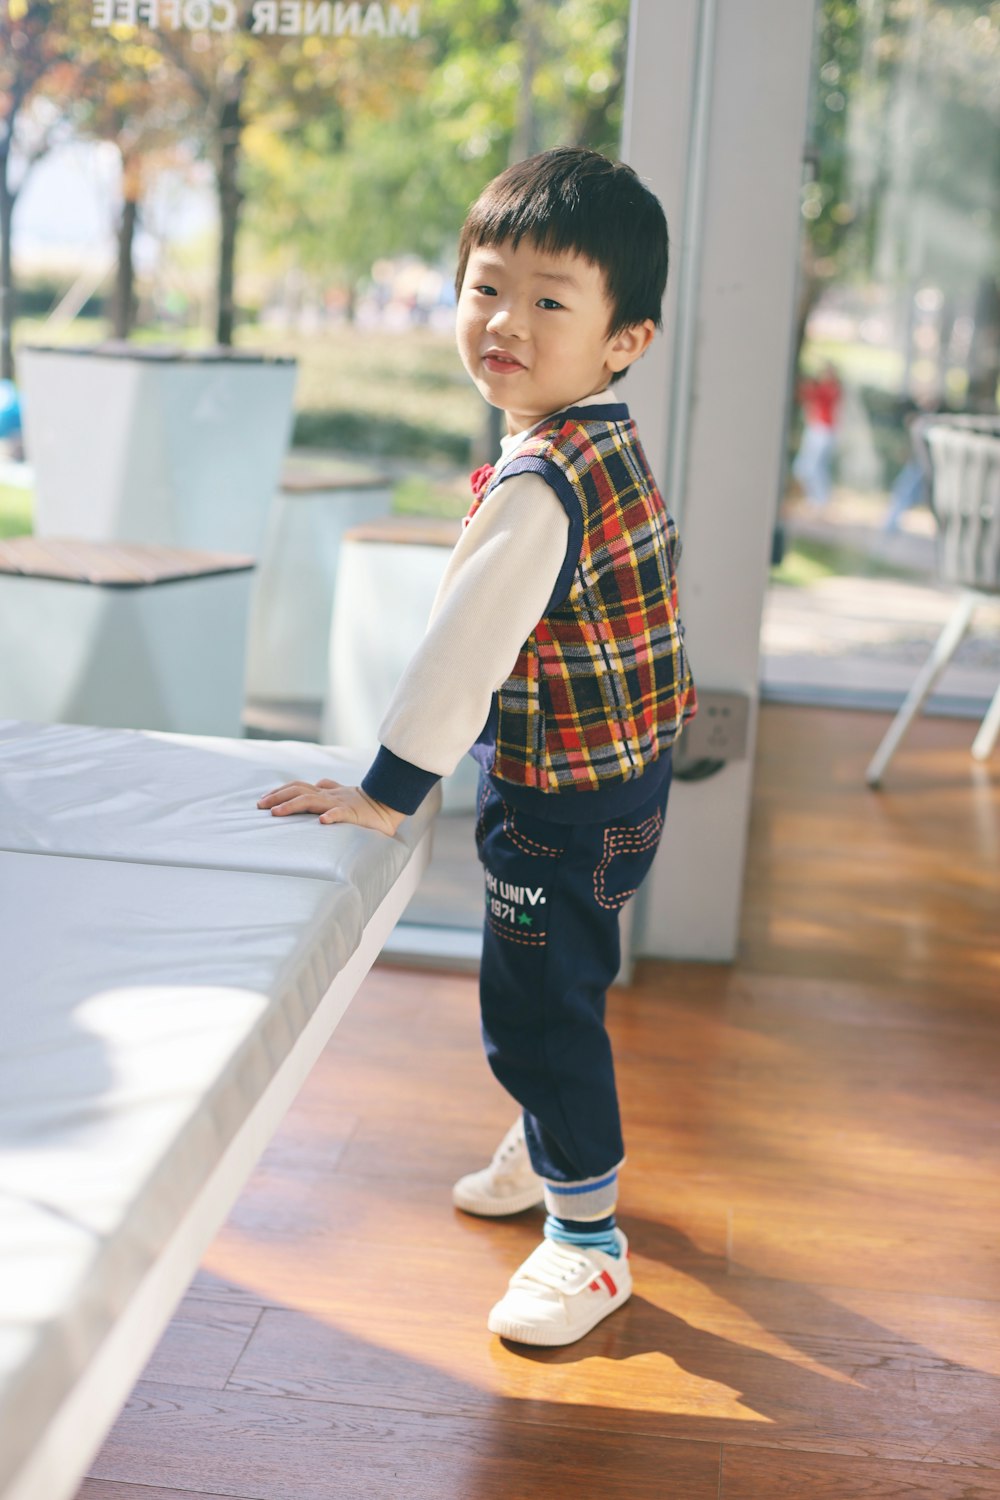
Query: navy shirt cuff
[(399, 784)]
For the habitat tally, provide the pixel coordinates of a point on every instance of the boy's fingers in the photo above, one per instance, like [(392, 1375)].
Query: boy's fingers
[(303, 803), (334, 784), (281, 791)]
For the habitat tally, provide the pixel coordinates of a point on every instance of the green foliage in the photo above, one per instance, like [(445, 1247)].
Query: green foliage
[(16, 511), (807, 563), (417, 496), (377, 434), (332, 191), (905, 97), (366, 391)]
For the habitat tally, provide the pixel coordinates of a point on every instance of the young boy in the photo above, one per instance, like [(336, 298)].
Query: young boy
[(555, 651)]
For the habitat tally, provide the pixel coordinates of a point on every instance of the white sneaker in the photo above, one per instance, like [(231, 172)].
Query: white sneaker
[(561, 1292), (507, 1186)]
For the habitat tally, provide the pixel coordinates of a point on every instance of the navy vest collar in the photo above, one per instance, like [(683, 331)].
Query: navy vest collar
[(615, 411)]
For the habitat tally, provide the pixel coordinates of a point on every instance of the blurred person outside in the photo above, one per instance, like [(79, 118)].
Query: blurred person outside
[(820, 401), (912, 485)]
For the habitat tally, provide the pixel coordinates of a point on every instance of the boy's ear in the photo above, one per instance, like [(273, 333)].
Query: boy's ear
[(627, 345)]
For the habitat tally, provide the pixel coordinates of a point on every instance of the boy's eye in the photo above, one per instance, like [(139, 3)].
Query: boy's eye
[(548, 302), (487, 291)]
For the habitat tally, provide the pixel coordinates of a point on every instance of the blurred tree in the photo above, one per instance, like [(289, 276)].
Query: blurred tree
[(382, 175), (144, 107), (350, 149), (39, 39), (902, 181), (217, 67), (273, 90)]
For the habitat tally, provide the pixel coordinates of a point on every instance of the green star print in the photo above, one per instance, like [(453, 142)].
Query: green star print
[(524, 919)]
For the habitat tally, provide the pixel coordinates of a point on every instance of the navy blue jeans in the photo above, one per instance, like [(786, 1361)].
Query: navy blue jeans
[(551, 948)]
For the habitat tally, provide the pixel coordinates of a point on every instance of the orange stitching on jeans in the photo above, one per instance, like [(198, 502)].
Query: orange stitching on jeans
[(522, 841), (624, 841)]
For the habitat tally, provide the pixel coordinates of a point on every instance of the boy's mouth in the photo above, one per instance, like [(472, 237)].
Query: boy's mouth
[(500, 363)]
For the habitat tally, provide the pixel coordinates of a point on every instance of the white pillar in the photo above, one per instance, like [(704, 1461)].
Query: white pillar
[(715, 124)]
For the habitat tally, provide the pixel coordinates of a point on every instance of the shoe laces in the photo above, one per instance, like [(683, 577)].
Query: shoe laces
[(513, 1144), (552, 1264)]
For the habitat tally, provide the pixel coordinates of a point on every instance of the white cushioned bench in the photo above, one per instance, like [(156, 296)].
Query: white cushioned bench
[(174, 961), (144, 637)]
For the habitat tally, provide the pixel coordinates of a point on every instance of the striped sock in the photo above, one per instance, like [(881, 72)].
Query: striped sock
[(599, 1234), (590, 1200)]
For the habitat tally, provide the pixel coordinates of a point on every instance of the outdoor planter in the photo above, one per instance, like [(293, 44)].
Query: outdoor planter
[(125, 635), (154, 444), (387, 576), (292, 599)]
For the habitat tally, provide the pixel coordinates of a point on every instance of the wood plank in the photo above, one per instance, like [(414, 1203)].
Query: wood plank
[(108, 1489), (409, 531), (890, 886), (959, 1256), (120, 564), (754, 1475), (690, 1356), (310, 1450), (202, 1344), (302, 478)]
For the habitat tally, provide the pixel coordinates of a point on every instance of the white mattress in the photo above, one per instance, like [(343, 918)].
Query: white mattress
[(187, 800), (164, 945)]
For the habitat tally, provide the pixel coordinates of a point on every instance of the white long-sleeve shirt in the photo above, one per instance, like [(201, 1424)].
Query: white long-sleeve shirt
[(494, 591)]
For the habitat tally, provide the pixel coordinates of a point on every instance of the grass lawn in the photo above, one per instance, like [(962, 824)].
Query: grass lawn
[(806, 563), (380, 393), (16, 506)]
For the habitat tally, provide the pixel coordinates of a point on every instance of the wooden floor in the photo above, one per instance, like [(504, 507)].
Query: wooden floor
[(811, 1195)]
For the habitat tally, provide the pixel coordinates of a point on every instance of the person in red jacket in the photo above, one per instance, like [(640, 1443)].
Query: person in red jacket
[(820, 402)]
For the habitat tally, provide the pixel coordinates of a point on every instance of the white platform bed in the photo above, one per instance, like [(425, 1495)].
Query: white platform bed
[(174, 960)]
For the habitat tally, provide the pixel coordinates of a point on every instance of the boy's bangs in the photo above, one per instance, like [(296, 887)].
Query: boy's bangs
[(553, 234)]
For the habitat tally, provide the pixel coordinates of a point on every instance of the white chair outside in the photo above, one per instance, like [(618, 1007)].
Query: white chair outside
[(965, 495)]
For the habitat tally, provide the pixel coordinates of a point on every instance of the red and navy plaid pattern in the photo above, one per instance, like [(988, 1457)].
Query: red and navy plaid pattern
[(602, 684)]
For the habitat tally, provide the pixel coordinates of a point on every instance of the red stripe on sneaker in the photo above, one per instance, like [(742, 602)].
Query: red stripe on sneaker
[(605, 1277), (595, 1286)]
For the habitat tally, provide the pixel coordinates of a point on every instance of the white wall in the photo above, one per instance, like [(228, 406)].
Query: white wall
[(716, 115)]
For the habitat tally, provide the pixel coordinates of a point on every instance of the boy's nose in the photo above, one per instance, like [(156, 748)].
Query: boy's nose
[(506, 321)]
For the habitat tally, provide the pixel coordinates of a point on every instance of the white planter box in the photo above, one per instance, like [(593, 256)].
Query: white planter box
[(385, 589), (167, 653), (161, 446), (292, 596)]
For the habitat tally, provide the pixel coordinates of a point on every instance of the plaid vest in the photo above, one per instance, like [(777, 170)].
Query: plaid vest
[(602, 684)]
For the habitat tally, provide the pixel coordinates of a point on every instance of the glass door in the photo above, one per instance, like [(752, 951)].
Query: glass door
[(898, 317)]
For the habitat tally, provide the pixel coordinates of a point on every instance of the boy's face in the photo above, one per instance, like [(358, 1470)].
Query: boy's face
[(533, 330)]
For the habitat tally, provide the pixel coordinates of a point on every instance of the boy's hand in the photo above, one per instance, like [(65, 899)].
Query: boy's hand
[(334, 803)]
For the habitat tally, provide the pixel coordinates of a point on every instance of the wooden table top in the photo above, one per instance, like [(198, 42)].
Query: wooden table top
[(420, 531), (115, 564)]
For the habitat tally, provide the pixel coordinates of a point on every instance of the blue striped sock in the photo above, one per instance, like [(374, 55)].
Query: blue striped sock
[(598, 1235)]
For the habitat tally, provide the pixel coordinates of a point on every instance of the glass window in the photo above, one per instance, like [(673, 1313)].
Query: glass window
[(288, 178), (898, 316)]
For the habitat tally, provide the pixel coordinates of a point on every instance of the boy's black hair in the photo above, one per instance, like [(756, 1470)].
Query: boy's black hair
[(572, 199)]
